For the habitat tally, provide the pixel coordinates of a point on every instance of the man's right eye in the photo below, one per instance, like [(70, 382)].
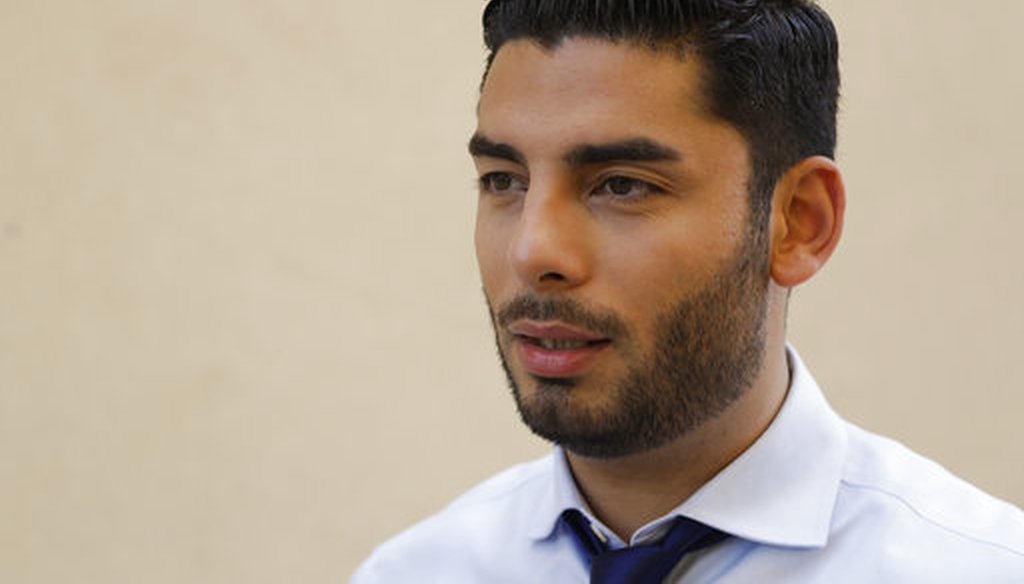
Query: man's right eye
[(501, 183)]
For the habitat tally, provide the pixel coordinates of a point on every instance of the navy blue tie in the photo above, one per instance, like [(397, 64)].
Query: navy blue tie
[(639, 564)]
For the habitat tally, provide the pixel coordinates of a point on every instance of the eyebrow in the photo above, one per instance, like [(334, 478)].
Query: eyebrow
[(482, 146), (631, 150)]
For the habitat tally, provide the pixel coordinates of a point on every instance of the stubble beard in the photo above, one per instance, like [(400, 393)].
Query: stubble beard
[(708, 349)]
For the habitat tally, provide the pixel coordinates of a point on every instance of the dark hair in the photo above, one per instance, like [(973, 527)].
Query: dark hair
[(770, 67)]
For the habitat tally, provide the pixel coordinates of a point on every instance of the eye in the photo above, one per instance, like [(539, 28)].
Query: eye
[(623, 187), (501, 183)]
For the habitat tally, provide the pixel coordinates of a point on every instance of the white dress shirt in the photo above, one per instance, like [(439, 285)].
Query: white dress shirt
[(814, 499)]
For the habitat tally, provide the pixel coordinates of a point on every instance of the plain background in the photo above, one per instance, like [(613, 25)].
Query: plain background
[(241, 332)]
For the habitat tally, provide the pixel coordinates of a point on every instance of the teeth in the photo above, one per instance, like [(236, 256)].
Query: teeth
[(561, 344)]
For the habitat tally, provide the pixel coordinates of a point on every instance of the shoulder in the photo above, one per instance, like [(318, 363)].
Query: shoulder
[(919, 512), (464, 538), (505, 488)]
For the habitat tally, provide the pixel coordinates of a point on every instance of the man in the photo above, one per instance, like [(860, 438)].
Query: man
[(655, 177)]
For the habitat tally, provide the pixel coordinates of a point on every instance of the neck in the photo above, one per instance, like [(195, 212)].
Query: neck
[(628, 492)]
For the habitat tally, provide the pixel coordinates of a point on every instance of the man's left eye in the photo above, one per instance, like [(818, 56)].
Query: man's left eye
[(623, 186)]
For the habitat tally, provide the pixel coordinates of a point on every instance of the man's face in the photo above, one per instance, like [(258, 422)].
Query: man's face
[(626, 285)]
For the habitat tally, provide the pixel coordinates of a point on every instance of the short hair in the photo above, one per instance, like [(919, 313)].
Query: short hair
[(770, 67)]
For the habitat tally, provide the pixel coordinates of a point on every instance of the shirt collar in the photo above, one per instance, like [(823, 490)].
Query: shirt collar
[(780, 491), (560, 494)]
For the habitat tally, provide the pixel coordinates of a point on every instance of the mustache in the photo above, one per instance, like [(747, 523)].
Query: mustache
[(567, 310)]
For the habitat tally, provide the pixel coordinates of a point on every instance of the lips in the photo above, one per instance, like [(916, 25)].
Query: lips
[(556, 350)]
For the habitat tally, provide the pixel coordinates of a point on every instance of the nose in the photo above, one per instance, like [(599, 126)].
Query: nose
[(550, 248)]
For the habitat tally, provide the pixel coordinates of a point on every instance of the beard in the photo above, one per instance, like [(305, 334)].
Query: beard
[(707, 350)]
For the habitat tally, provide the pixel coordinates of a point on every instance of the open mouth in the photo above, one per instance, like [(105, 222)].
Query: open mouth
[(558, 355), (562, 344)]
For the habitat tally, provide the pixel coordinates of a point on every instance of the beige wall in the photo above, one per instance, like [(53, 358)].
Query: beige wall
[(241, 336)]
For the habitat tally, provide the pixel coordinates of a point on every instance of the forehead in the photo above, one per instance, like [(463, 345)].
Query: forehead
[(587, 90)]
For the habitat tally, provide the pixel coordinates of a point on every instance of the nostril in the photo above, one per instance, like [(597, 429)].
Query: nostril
[(552, 277)]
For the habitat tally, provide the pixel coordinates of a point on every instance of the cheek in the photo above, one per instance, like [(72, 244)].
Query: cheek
[(639, 277), (653, 270), (644, 258), (490, 252)]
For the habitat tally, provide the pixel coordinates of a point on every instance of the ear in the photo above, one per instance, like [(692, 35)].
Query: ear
[(807, 219)]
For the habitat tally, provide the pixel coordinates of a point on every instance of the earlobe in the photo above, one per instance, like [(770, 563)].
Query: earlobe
[(807, 219)]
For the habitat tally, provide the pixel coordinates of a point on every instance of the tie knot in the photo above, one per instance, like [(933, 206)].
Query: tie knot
[(639, 564)]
